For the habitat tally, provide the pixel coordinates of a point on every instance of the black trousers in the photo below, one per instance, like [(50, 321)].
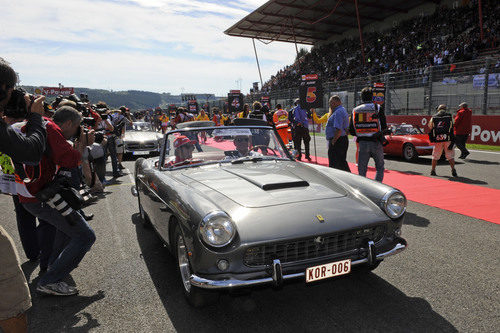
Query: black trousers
[(337, 154), (460, 140), (301, 133)]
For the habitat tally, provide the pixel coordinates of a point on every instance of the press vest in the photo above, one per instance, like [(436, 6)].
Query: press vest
[(365, 125), (442, 128)]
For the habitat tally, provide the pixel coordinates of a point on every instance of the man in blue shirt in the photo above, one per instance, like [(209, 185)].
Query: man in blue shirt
[(336, 134), (301, 131)]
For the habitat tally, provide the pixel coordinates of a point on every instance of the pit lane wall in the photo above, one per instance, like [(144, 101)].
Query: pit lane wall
[(485, 129)]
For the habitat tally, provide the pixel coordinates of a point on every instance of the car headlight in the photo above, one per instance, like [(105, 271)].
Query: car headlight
[(217, 229), (394, 204)]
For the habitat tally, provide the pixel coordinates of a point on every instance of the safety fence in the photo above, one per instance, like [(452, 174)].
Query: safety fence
[(418, 91)]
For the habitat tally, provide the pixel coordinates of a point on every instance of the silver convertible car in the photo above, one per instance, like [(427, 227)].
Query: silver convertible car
[(237, 211), (140, 139)]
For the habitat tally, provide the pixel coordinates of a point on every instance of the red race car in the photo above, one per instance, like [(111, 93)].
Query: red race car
[(407, 141)]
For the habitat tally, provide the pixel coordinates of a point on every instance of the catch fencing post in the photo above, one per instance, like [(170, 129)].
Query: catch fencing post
[(485, 90), (429, 106), (387, 97)]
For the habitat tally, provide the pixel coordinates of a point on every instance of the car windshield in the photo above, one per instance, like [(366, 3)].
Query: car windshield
[(139, 126), (231, 144), (405, 129)]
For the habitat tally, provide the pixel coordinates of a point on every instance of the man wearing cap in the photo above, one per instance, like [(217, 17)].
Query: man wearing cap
[(183, 150), (441, 126), (462, 128)]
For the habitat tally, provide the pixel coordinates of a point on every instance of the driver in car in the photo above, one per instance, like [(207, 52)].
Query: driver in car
[(242, 144), (183, 150)]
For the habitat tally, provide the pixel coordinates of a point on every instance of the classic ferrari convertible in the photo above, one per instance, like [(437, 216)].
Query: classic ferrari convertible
[(237, 211)]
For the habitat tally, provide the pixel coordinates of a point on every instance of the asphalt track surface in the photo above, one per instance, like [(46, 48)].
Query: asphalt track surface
[(446, 281)]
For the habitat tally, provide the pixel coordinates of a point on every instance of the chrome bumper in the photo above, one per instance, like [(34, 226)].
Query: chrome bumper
[(277, 277)]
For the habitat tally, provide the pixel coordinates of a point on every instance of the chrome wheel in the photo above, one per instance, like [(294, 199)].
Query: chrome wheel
[(182, 258)]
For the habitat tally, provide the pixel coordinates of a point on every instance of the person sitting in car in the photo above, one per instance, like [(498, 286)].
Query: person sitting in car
[(242, 143), (183, 151)]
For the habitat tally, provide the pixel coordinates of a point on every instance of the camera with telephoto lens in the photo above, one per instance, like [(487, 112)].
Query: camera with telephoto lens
[(85, 124), (16, 107), (59, 195)]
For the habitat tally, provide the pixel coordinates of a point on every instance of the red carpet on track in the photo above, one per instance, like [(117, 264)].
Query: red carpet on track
[(471, 200)]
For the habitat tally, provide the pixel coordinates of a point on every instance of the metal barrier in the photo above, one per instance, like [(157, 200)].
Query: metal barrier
[(418, 91)]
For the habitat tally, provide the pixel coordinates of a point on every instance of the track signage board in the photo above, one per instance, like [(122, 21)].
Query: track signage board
[(311, 92), (235, 101), (379, 93), (193, 106)]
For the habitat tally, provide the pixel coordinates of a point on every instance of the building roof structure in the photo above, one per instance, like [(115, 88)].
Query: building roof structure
[(314, 21)]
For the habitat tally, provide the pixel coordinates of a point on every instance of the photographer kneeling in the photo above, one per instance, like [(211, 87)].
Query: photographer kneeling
[(45, 185)]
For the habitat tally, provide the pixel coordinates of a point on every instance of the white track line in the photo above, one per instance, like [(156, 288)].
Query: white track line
[(486, 152)]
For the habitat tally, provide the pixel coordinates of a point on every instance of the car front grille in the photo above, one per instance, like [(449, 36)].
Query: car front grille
[(142, 145), (311, 248)]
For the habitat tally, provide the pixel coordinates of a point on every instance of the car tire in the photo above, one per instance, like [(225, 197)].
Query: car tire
[(197, 297), (409, 152), (144, 218)]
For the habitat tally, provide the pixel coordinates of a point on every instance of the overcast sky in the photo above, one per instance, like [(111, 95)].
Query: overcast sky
[(155, 45)]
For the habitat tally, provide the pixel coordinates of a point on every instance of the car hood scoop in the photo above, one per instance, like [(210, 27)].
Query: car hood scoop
[(265, 183), (270, 182)]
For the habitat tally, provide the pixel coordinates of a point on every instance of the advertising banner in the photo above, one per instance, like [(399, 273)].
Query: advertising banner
[(311, 92), (478, 81), (235, 101), (485, 129), (54, 91), (266, 100), (379, 93), (193, 106)]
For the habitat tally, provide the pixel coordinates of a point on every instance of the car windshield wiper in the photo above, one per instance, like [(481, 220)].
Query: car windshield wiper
[(247, 158)]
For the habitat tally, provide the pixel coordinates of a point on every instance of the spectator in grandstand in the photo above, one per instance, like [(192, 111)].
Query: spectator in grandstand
[(301, 131), (368, 124), (447, 36), (441, 126), (336, 135), (462, 128)]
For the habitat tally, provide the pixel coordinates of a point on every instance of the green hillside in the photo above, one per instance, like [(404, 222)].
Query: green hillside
[(134, 99)]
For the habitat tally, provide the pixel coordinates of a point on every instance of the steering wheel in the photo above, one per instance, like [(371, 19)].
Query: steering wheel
[(264, 148)]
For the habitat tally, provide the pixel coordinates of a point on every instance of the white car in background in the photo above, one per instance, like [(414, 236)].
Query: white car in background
[(140, 139)]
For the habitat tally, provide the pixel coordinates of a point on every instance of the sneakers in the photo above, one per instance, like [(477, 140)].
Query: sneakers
[(433, 172), (454, 172), (308, 158), (57, 289)]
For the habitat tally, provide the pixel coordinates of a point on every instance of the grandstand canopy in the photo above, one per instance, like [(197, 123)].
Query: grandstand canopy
[(312, 21)]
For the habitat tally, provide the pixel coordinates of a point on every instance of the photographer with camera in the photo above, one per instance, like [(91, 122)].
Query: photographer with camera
[(15, 297), (51, 198)]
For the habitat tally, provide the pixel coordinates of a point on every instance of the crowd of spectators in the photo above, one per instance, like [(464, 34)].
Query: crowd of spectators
[(448, 36)]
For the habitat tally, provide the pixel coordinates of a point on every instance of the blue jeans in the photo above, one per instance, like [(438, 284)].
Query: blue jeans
[(71, 243), (38, 240), (111, 148), (369, 149)]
